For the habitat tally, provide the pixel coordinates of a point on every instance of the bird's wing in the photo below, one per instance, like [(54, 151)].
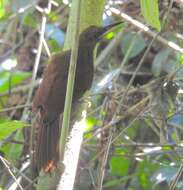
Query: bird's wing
[(52, 88)]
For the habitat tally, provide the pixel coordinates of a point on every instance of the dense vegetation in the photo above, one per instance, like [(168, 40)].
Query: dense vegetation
[(133, 126)]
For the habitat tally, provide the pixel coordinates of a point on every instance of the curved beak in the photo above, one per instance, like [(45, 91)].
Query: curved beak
[(106, 29)]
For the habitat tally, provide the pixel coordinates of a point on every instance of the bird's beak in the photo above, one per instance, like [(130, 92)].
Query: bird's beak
[(106, 29)]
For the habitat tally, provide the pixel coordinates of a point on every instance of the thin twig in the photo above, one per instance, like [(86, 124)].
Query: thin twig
[(147, 30), (134, 74), (177, 177), (150, 145), (10, 172), (104, 162), (23, 9), (15, 108), (36, 65)]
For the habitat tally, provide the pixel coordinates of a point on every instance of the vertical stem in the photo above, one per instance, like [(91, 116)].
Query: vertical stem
[(70, 83)]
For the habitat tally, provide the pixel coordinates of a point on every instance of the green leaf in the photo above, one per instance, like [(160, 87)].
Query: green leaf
[(3, 10), (53, 16), (150, 11), (119, 166), (7, 127), (181, 59), (159, 62), (90, 123), (144, 172), (139, 44), (30, 20), (12, 151), (54, 46), (110, 34), (16, 78), (12, 154)]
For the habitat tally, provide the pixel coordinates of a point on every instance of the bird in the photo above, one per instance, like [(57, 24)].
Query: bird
[(49, 99)]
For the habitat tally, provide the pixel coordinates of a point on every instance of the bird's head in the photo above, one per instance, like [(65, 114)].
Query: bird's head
[(94, 34)]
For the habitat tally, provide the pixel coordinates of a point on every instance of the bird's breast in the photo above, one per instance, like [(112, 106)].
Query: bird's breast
[(84, 78)]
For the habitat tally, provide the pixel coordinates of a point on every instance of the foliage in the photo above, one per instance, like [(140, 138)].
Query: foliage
[(144, 118), (7, 127), (138, 47), (150, 12)]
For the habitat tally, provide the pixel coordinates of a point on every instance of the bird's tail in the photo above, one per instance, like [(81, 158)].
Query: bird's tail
[(47, 146)]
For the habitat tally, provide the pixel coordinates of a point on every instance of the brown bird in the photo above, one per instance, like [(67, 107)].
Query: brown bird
[(50, 96)]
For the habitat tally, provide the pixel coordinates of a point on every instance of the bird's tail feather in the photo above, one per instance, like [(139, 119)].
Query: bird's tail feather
[(47, 146)]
